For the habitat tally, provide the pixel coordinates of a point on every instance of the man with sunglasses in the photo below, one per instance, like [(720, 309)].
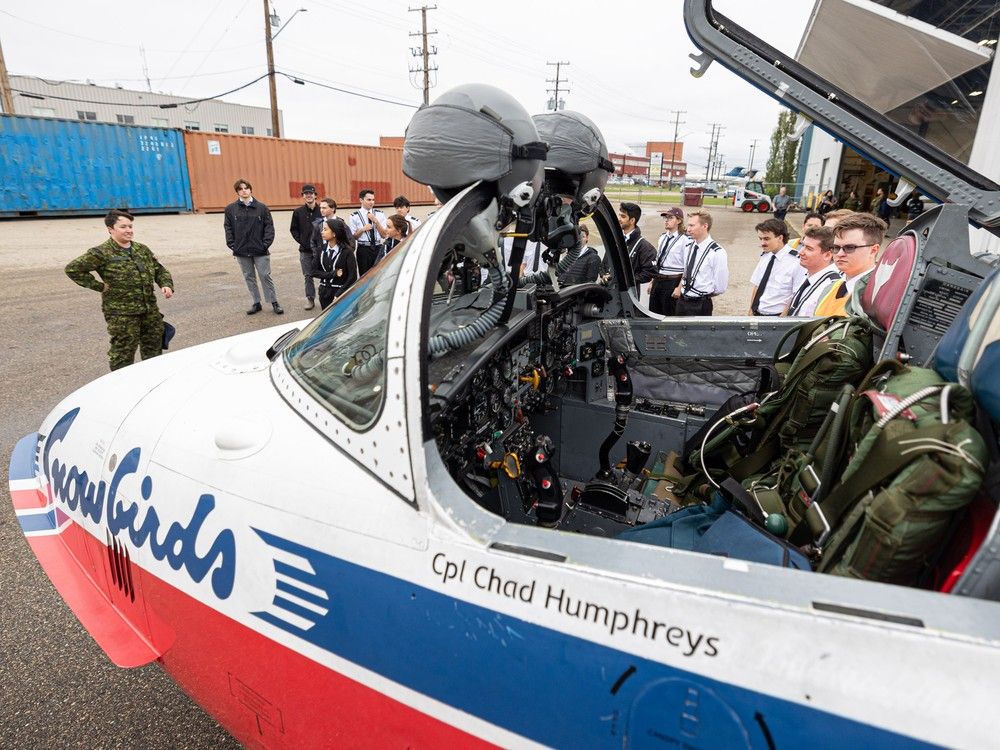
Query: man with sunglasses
[(128, 275), (856, 243)]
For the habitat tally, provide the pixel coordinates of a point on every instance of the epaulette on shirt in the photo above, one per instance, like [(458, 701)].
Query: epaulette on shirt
[(794, 253)]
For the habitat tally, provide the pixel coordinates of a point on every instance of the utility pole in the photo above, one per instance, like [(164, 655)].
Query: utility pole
[(711, 151), (673, 149), (272, 84), (145, 68), (713, 148), (5, 93), (424, 50), (753, 149), (554, 103)]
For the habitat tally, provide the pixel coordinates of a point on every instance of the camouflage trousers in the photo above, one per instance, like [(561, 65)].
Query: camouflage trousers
[(131, 332)]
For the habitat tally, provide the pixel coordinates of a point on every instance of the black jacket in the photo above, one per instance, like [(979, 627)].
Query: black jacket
[(585, 268), (340, 274), (249, 229), (302, 226), (643, 257)]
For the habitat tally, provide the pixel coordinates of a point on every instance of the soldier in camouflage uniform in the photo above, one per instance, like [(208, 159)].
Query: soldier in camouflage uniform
[(127, 270)]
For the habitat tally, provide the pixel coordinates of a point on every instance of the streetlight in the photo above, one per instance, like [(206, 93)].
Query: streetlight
[(275, 21), (271, 19)]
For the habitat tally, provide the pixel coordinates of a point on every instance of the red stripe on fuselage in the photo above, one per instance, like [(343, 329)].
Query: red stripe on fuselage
[(28, 499), (268, 695)]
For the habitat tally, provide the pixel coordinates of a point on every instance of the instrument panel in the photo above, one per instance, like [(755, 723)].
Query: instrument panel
[(483, 428)]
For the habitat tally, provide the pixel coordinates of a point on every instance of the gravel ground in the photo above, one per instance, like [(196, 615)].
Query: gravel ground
[(60, 691)]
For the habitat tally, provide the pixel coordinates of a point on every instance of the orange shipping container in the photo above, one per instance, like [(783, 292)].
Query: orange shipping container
[(277, 169)]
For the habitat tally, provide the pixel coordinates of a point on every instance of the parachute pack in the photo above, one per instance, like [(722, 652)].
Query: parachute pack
[(826, 354)]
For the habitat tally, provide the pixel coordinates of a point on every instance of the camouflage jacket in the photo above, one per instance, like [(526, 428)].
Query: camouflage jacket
[(129, 273)]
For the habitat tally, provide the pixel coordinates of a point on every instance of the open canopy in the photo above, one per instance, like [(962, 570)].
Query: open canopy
[(902, 57)]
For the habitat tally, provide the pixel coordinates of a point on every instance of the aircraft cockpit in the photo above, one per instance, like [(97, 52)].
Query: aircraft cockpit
[(579, 411)]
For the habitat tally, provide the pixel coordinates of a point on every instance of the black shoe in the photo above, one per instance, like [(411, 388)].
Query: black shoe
[(255, 309), (277, 308)]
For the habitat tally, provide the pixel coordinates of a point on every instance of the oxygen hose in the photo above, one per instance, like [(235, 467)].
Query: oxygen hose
[(542, 277), (458, 338), (621, 421), (623, 405), (443, 343)]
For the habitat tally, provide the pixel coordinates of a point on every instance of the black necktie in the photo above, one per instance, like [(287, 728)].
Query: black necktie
[(797, 299), (372, 234), (663, 252), (755, 305), (689, 281)]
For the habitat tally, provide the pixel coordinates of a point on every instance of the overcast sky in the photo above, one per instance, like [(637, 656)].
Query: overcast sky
[(628, 60)]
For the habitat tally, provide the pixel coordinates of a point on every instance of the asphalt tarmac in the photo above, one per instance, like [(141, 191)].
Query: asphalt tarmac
[(59, 689)]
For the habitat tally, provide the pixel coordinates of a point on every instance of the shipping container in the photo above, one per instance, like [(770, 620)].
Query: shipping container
[(51, 167), (278, 168)]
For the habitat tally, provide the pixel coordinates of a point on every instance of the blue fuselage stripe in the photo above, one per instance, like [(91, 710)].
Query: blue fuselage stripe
[(538, 682), (37, 522), (22, 460)]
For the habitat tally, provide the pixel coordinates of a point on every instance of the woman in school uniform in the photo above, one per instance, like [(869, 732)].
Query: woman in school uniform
[(335, 264)]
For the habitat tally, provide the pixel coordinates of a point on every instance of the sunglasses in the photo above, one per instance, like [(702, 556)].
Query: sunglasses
[(848, 249)]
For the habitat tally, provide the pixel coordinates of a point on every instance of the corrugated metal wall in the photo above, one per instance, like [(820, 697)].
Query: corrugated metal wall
[(63, 167), (69, 101), (277, 169)]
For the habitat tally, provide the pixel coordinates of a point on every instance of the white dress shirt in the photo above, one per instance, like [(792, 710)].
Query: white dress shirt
[(812, 290), (711, 270), (787, 274), (673, 262), (359, 218)]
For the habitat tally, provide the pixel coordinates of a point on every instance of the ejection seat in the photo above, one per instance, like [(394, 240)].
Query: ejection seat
[(968, 352), (882, 293), (921, 281)]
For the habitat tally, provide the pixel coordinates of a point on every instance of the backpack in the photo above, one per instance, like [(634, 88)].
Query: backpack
[(826, 354)]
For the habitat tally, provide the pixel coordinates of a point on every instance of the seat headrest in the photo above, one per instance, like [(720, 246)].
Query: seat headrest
[(888, 281), (957, 338)]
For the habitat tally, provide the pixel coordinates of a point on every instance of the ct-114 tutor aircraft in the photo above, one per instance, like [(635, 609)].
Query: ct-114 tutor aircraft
[(456, 572)]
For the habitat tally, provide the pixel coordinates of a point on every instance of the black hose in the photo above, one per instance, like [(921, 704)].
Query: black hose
[(525, 223), (621, 421)]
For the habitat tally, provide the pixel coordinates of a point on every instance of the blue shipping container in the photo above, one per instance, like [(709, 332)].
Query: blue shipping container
[(54, 167)]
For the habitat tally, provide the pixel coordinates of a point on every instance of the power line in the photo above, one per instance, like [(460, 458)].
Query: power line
[(298, 79), (119, 44), (171, 105), (424, 50)]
